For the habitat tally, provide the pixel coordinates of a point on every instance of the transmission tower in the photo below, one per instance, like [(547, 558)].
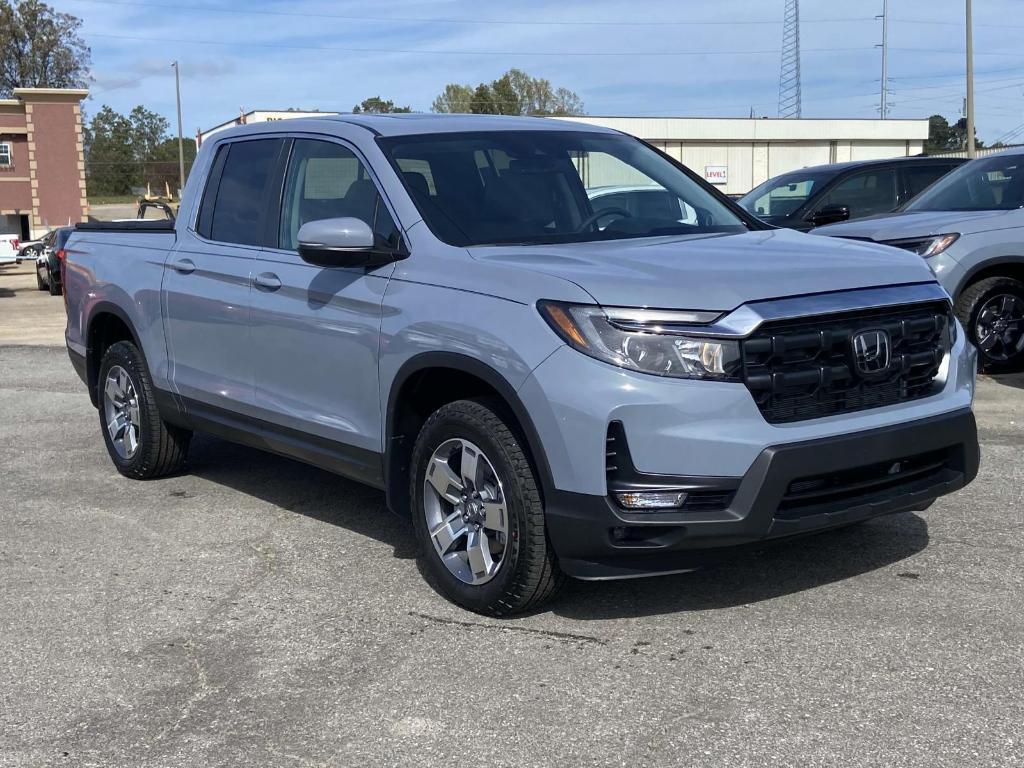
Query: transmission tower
[(789, 78)]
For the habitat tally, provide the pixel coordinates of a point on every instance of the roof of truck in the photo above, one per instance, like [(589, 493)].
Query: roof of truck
[(406, 124)]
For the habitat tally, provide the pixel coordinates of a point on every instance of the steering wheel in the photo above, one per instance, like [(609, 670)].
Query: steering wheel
[(595, 217)]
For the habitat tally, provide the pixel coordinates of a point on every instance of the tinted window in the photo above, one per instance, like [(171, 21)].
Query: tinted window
[(783, 195), (990, 183), (327, 181), (920, 177), (239, 202), (532, 187), (865, 193)]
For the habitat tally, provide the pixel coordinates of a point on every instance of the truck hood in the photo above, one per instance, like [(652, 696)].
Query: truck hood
[(713, 272), (921, 224)]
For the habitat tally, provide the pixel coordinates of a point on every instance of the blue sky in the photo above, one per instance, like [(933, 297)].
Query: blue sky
[(685, 57)]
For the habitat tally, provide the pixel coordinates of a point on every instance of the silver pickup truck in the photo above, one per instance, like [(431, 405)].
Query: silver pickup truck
[(547, 380)]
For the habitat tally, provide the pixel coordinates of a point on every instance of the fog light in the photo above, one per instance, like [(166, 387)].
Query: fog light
[(650, 499)]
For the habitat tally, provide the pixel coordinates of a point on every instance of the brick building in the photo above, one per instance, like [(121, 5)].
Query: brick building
[(42, 168)]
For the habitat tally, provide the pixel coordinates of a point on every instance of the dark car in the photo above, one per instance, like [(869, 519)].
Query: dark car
[(826, 194), (48, 262)]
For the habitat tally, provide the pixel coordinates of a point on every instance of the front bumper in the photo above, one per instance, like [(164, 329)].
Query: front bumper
[(595, 539)]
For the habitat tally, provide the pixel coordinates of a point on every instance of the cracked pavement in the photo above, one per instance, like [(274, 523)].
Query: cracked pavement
[(256, 611)]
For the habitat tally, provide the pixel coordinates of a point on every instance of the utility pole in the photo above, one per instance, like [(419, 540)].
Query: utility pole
[(884, 106), (181, 144), (972, 150)]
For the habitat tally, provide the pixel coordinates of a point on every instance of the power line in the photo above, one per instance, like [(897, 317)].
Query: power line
[(440, 52), (423, 20)]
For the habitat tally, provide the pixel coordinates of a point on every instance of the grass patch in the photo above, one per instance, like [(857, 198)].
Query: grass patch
[(113, 200)]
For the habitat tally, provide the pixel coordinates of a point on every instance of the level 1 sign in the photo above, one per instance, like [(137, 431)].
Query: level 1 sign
[(716, 174)]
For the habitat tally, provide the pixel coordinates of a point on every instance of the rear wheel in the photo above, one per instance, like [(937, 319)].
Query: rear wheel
[(992, 311), (478, 514), (141, 444), (53, 285), (40, 285)]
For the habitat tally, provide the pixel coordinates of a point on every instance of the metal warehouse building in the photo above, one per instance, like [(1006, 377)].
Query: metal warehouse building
[(738, 154)]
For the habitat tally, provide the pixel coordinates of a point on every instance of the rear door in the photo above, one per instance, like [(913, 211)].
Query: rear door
[(318, 329), (206, 284)]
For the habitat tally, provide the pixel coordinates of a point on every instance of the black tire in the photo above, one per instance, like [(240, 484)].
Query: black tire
[(53, 285), (528, 575), (162, 447), (970, 307), (40, 285)]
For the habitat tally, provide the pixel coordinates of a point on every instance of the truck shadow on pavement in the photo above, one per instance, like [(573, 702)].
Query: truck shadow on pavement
[(1008, 379), (739, 578)]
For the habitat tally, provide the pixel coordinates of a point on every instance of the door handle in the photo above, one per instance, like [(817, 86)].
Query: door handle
[(268, 281), (184, 266)]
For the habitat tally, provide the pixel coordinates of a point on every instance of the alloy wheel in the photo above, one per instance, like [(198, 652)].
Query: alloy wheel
[(1000, 327), (121, 411), (466, 513)]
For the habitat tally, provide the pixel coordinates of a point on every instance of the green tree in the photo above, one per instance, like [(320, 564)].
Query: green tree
[(40, 48), (375, 105), (514, 93), (126, 151), (454, 99), (483, 101), (959, 133), (110, 165), (939, 135), (161, 171)]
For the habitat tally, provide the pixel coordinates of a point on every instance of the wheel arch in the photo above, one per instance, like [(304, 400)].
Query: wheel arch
[(1002, 266), (423, 384), (107, 324)]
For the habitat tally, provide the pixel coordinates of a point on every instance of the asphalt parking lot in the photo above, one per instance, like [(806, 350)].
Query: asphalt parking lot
[(259, 612)]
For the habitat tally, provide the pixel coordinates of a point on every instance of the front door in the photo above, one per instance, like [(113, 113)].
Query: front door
[(207, 280), (317, 330)]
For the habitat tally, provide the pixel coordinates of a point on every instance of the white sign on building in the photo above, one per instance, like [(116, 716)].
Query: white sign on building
[(716, 174)]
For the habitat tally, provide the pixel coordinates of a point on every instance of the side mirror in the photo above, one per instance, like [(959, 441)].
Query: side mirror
[(830, 214), (344, 242)]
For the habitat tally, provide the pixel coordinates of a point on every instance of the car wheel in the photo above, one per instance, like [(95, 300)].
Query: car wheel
[(478, 514), (992, 311), (53, 285), (141, 444), (40, 285)]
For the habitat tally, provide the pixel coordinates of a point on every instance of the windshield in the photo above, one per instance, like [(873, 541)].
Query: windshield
[(988, 184), (783, 195), (551, 187)]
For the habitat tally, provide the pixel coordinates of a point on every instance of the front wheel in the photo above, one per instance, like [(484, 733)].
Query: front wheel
[(992, 311), (141, 444), (478, 514)]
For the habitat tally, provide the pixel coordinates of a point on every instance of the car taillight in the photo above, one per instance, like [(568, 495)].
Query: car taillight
[(15, 243), (60, 255)]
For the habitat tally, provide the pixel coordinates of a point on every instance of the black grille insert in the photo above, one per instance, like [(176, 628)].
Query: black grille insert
[(805, 369), (807, 495)]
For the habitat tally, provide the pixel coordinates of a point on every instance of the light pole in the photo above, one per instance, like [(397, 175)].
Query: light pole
[(884, 106), (972, 150), (181, 145)]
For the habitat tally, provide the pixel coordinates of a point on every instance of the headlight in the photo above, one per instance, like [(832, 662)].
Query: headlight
[(925, 246), (650, 341)]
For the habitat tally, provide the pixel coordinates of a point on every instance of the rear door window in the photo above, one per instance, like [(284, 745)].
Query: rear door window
[(865, 193), (919, 178), (234, 211)]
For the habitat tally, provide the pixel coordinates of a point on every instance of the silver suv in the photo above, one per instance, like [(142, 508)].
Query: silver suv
[(547, 385), (969, 227)]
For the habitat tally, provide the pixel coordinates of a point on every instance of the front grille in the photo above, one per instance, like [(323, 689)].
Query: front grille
[(804, 368), (809, 495)]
